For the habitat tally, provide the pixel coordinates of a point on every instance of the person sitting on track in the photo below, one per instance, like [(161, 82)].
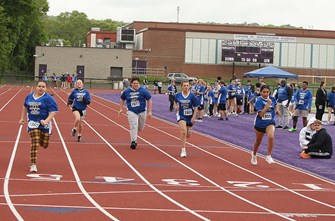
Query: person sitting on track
[(41, 107), (306, 133), (321, 145), (137, 99), (264, 122), (186, 105), (78, 101)]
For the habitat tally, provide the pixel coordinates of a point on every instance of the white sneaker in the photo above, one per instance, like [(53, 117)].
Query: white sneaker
[(253, 159), (269, 159), (183, 154), (33, 168)]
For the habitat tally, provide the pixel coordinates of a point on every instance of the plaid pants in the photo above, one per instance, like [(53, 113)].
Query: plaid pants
[(38, 138)]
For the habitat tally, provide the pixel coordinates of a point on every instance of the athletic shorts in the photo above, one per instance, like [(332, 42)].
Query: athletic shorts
[(222, 107), (263, 130), (239, 101), (300, 113), (231, 97), (201, 107), (81, 112)]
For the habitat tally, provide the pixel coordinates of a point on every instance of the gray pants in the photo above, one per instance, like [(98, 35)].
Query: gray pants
[(283, 114), (136, 123)]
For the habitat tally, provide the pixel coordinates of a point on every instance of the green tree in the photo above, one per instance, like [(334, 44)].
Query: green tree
[(73, 27), (24, 30)]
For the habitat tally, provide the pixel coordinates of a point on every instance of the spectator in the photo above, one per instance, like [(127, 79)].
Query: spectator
[(155, 86), (320, 100), (54, 80), (246, 91), (160, 85), (74, 79), (283, 96), (307, 133), (172, 90), (331, 103), (320, 146), (68, 81), (146, 83), (303, 100)]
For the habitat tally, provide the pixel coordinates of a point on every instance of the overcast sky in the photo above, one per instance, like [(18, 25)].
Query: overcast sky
[(310, 14)]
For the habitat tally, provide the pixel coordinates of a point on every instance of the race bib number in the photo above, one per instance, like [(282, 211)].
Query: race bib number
[(301, 102), (188, 112), (134, 103), (33, 124), (267, 116), (232, 93)]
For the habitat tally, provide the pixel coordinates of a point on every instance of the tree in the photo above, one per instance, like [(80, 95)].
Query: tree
[(24, 31)]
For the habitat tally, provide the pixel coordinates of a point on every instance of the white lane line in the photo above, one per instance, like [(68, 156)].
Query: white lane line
[(10, 99), (80, 185), (7, 177), (194, 171), (144, 179), (140, 175), (324, 179), (6, 91), (314, 215), (249, 171)]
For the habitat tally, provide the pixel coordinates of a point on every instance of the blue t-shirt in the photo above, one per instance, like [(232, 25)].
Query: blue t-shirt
[(222, 95), (269, 116), (304, 99), (78, 96), (210, 97), (136, 99), (239, 92), (172, 89), (39, 109), (232, 90), (186, 105), (282, 93)]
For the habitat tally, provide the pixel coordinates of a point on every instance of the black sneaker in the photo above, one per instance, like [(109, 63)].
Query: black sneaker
[(279, 126), (286, 128), (73, 132), (227, 118), (79, 138), (133, 145), (220, 118)]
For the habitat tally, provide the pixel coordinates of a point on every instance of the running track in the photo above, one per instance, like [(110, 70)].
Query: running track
[(101, 178)]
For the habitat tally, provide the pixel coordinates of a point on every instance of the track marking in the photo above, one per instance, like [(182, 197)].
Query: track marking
[(194, 171), (81, 187), (10, 99), (249, 171), (7, 177), (140, 175), (277, 184), (175, 210)]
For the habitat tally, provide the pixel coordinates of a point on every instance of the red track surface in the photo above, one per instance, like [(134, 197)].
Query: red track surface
[(101, 178)]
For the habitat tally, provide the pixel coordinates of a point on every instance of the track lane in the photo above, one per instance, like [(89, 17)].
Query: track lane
[(261, 166)]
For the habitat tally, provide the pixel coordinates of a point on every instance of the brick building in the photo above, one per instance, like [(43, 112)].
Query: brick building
[(196, 49)]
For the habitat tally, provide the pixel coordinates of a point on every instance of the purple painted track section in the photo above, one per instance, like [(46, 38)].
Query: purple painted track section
[(239, 131)]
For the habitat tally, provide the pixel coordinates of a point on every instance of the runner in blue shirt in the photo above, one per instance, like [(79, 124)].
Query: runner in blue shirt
[(78, 101), (187, 107), (138, 99), (264, 122), (41, 108)]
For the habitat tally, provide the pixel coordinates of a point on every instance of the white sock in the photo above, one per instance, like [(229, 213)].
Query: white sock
[(183, 149)]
